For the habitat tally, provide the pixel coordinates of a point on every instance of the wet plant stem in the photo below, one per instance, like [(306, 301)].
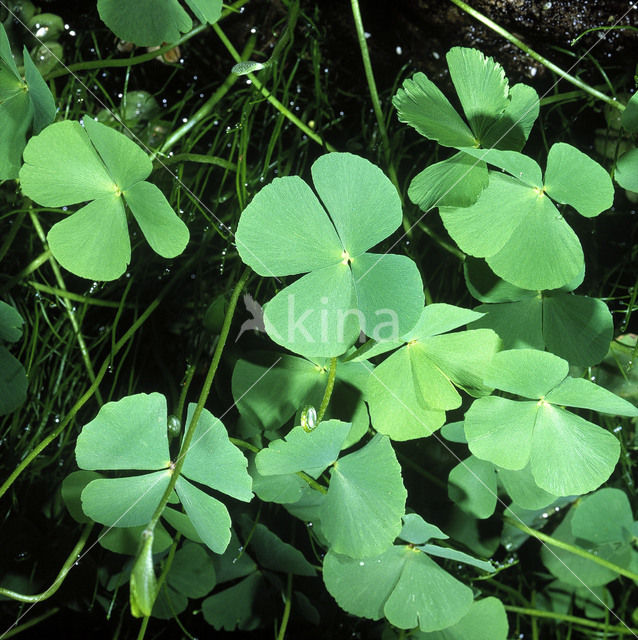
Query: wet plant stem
[(67, 305), (578, 551), (57, 583), (203, 396), (273, 101), (287, 606), (330, 383), (208, 106), (624, 630), (537, 56)]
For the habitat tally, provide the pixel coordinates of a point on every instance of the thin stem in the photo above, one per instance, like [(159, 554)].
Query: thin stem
[(287, 606), (573, 619), (203, 396), (57, 583), (578, 551), (273, 101), (328, 391), (209, 105), (67, 305), (539, 58), (31, 623)]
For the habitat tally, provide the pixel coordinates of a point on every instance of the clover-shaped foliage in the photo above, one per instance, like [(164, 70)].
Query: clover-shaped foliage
[(285, 230), (13, 378), (67, 164), (25, 104), (601, 523), (516, 226), (361, 513), (149, 23), (270, 388), (403, 584), (131, 434), (576, 328), (497, 116), (567, 454), (409, 392)]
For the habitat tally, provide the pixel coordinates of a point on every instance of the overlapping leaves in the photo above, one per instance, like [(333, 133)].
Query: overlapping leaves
[(515, 224), (285, 230), (410, 391), (150, 23), (576, 328), (67, 164), (131, 434), (566, 453), (25, 104), (497, 116)]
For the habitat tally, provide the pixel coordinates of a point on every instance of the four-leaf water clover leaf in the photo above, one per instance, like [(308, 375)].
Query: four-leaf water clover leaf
[(497, 116), (149, 23), (516, 226), (131, 434), (567, 454), (285, 230), (24, 104), (576, 328), (67, 164), (409, 392)]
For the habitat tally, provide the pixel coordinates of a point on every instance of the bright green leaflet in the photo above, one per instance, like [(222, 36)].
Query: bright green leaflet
[(417, 531), (409, 392), (626, 174), (604, 516), (486, 620), (13, 377), (24, 104), (67, 164), (472, 485), (132, 434), (517, 228), (285, 230), (403, 584), (567, 454), (575, 570), (576, 328), (361, 514), (523, 490), (149, 23)]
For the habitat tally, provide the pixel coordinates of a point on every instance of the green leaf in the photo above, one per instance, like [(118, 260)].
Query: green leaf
[(519, 166), (481, 86), (454, 182), (147, 23), (604, 516), (143, 582), (361, 515), (124, 502), (72, 487), (39, 93), (234, 607), (10, 323), (206, 10), (214, 461), (402, 584), (68, 164), (439, 318), (522, 488), (486, 286), (126, 540), (486, 620), (472, 485), (208, 515), (13, 382), (457, 556), (181, 523), (192, 572), (581, 393), (277, 555), (342, 181), (169, 603), (626, 174), (301, 451), (127, 434), (526, 372), (574, 178), (417, 531), (421, 104), (629, 117)]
